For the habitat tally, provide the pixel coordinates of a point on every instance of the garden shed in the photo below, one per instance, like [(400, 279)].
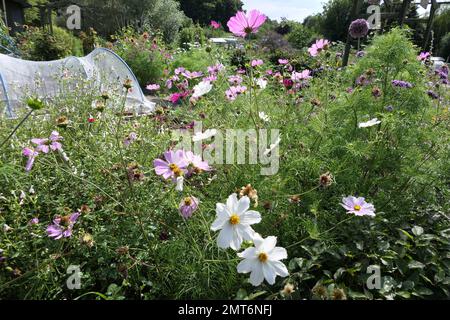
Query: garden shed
[(13, 13)]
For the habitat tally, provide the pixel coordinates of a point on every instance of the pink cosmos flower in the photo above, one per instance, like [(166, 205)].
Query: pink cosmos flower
[(299, 76), (423, 56), (192, 75), (215, 24), (33, 221), (195, 162), (62, 226), (283, 61), (241, 25), (130, 139), (173, 166), (188, 206), (210, 78), (215, 68), (153, 87), (318, 47), (179, 70), (235, 80), (257, 62), (176, 97), (358, 206), (55, 145), (31, 154)]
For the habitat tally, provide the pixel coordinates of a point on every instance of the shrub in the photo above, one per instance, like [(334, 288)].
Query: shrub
[(144, 53), (191, 35), (37, 44), (301, 37), (444, 46)]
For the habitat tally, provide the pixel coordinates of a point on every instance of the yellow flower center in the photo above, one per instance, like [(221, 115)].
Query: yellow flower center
[(176, 170), (234, 219), (357, 208), (263, 257), (187, 201)]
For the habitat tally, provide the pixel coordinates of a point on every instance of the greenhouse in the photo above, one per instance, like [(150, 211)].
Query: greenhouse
[(20, 79)]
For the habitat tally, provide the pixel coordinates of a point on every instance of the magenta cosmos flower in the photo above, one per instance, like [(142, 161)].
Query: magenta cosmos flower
[(62, 226), (358, 206), (241, 25), (215, 24), (318, 47), (188, 206), (173, 166), (423, 56)]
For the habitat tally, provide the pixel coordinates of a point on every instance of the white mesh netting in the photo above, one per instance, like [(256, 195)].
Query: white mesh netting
[(20, 79)]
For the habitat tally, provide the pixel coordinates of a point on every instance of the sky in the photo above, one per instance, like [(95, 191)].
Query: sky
[(295, 10), (291, 9)]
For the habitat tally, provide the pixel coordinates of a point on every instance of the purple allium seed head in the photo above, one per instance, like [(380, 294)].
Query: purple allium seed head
[(359, 28)]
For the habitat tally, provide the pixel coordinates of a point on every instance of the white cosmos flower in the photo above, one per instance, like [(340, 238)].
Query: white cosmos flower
[(272, 147), (199, 136), (234, 221), (263, 116), (263, 261), (202, 88), (262, 83), (369, 123)]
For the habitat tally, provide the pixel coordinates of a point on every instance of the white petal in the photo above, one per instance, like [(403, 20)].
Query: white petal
[(247, 232), (269, 273), (250, 217), (218, 224), (257, 275), (232, 202), (243, 205), (278, 253), (268, 244), (237, 240), (222, 211), (248, 253), (225, 237), (279, 268), (246, 266)]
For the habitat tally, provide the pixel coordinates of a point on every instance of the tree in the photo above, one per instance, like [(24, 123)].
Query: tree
[(203, 11)]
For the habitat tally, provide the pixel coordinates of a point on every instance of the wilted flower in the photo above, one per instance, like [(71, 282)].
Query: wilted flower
[(130, 139), (376, 92), (326, 180), (241, 25), (135, 174), (369, 123), (288, 289), (358, 206), (318, 47), (62, 122), (263, 261), (250, 192), (339, 294), (88, 240), (128, 84), (359, 28), (188, 206), (62, 226), (320, 292), (234, 221)]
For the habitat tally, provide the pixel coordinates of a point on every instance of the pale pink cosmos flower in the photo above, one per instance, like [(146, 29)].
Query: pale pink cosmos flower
[(283, 61), (173, 166), (179, 70), (242, 25), (130, 139), (195, 162), (235, 80), (215, 24), (188, 206), (318, 47), (358, 206), (423, 56), (192, 75), (299, 76), (31, 154), (257, 62), (62, 226), (153, 87)]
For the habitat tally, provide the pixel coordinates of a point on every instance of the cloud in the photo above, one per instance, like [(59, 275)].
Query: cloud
[(291, 9)]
